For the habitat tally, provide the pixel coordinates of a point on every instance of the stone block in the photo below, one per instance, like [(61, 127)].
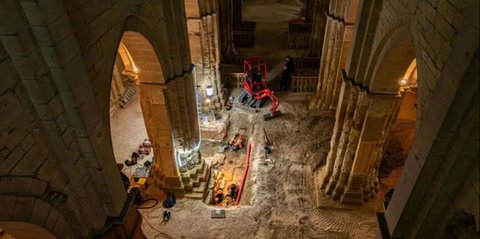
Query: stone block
[(447, 11), (30, 163), (50, 56), (43, 112), (12, 159), (77, 124), (59, 28), (58, 183), (12, 45), (48, 170), (23, 67), (51, 220), (35, 91), (10, 103), (61, 227), (38, 187), (64, 125), (78, 80), (90, 117), (23, 209), (445, 29), (67, 49), (42, 36), (14, 185), (7, 207), (9, 77), (68, 136), (40, 212)]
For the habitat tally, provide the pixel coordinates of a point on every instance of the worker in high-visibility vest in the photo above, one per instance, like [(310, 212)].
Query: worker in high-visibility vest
[(236, 142)]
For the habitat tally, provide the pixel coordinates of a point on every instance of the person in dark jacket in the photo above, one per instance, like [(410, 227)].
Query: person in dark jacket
[(287, 73)]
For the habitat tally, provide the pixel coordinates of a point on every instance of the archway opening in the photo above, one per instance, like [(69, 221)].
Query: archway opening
[(401, 135), (272, 20), (24, 230), (135, 62)]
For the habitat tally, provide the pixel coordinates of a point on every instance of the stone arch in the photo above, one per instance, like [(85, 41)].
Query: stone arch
[(150, 81), (127, 60), (167, 94), (58, 79), (31, 209), (143, 54), (391, 60), (25, 230)]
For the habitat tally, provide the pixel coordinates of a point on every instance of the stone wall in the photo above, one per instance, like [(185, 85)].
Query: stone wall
[(204, 37), (443, 37), (56, 62)]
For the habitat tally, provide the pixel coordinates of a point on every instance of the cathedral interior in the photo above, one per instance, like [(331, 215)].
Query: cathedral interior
[(278, 119)]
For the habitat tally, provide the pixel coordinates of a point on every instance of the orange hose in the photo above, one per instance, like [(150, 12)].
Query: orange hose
[(244, 174)]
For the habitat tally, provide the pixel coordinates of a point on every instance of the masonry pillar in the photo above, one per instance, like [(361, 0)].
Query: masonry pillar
[(341, 17), (164, 173), (343, 140), (353, 138), (170, 114), (370, 186), (183, 109), (318, 28), (226, 13), (210, 60), (203, 27), (378, 121), (337, 131), (331, 74)]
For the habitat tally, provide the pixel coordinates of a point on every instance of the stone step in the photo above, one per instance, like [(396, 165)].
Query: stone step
[(198, 196), (191, 185), (205, 174), (193, 173), (196, 182), (201, 188)]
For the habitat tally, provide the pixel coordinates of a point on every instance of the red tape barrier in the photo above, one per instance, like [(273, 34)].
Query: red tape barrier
[(244, 174)]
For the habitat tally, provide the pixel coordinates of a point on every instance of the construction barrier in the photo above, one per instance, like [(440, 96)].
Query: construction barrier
[(245, 173)]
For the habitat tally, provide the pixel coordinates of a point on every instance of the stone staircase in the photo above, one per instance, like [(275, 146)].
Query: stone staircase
[(195, 181), (127, 95)]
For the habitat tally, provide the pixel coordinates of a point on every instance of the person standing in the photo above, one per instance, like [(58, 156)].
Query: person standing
[(288, 69)]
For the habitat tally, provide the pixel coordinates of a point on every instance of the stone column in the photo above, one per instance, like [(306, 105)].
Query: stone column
[(337, 131), (358, 119), (155, 110), (324, 63), (216, 40), (318, 28), (336, 46), (371, 184), (377, 124), (211, 58), (343, 55), (203, 27), (332, 74), (343, 141), (226, 24), (182, 100), (170, 113)]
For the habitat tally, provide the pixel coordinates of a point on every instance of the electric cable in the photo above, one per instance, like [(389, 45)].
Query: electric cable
[(159, 233), (140, 206)]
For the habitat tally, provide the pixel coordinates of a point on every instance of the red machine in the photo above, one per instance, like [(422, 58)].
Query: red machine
[(255, 91)]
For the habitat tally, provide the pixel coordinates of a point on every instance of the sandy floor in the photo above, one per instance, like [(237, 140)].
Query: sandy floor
[(128, 132), (279, 198)]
